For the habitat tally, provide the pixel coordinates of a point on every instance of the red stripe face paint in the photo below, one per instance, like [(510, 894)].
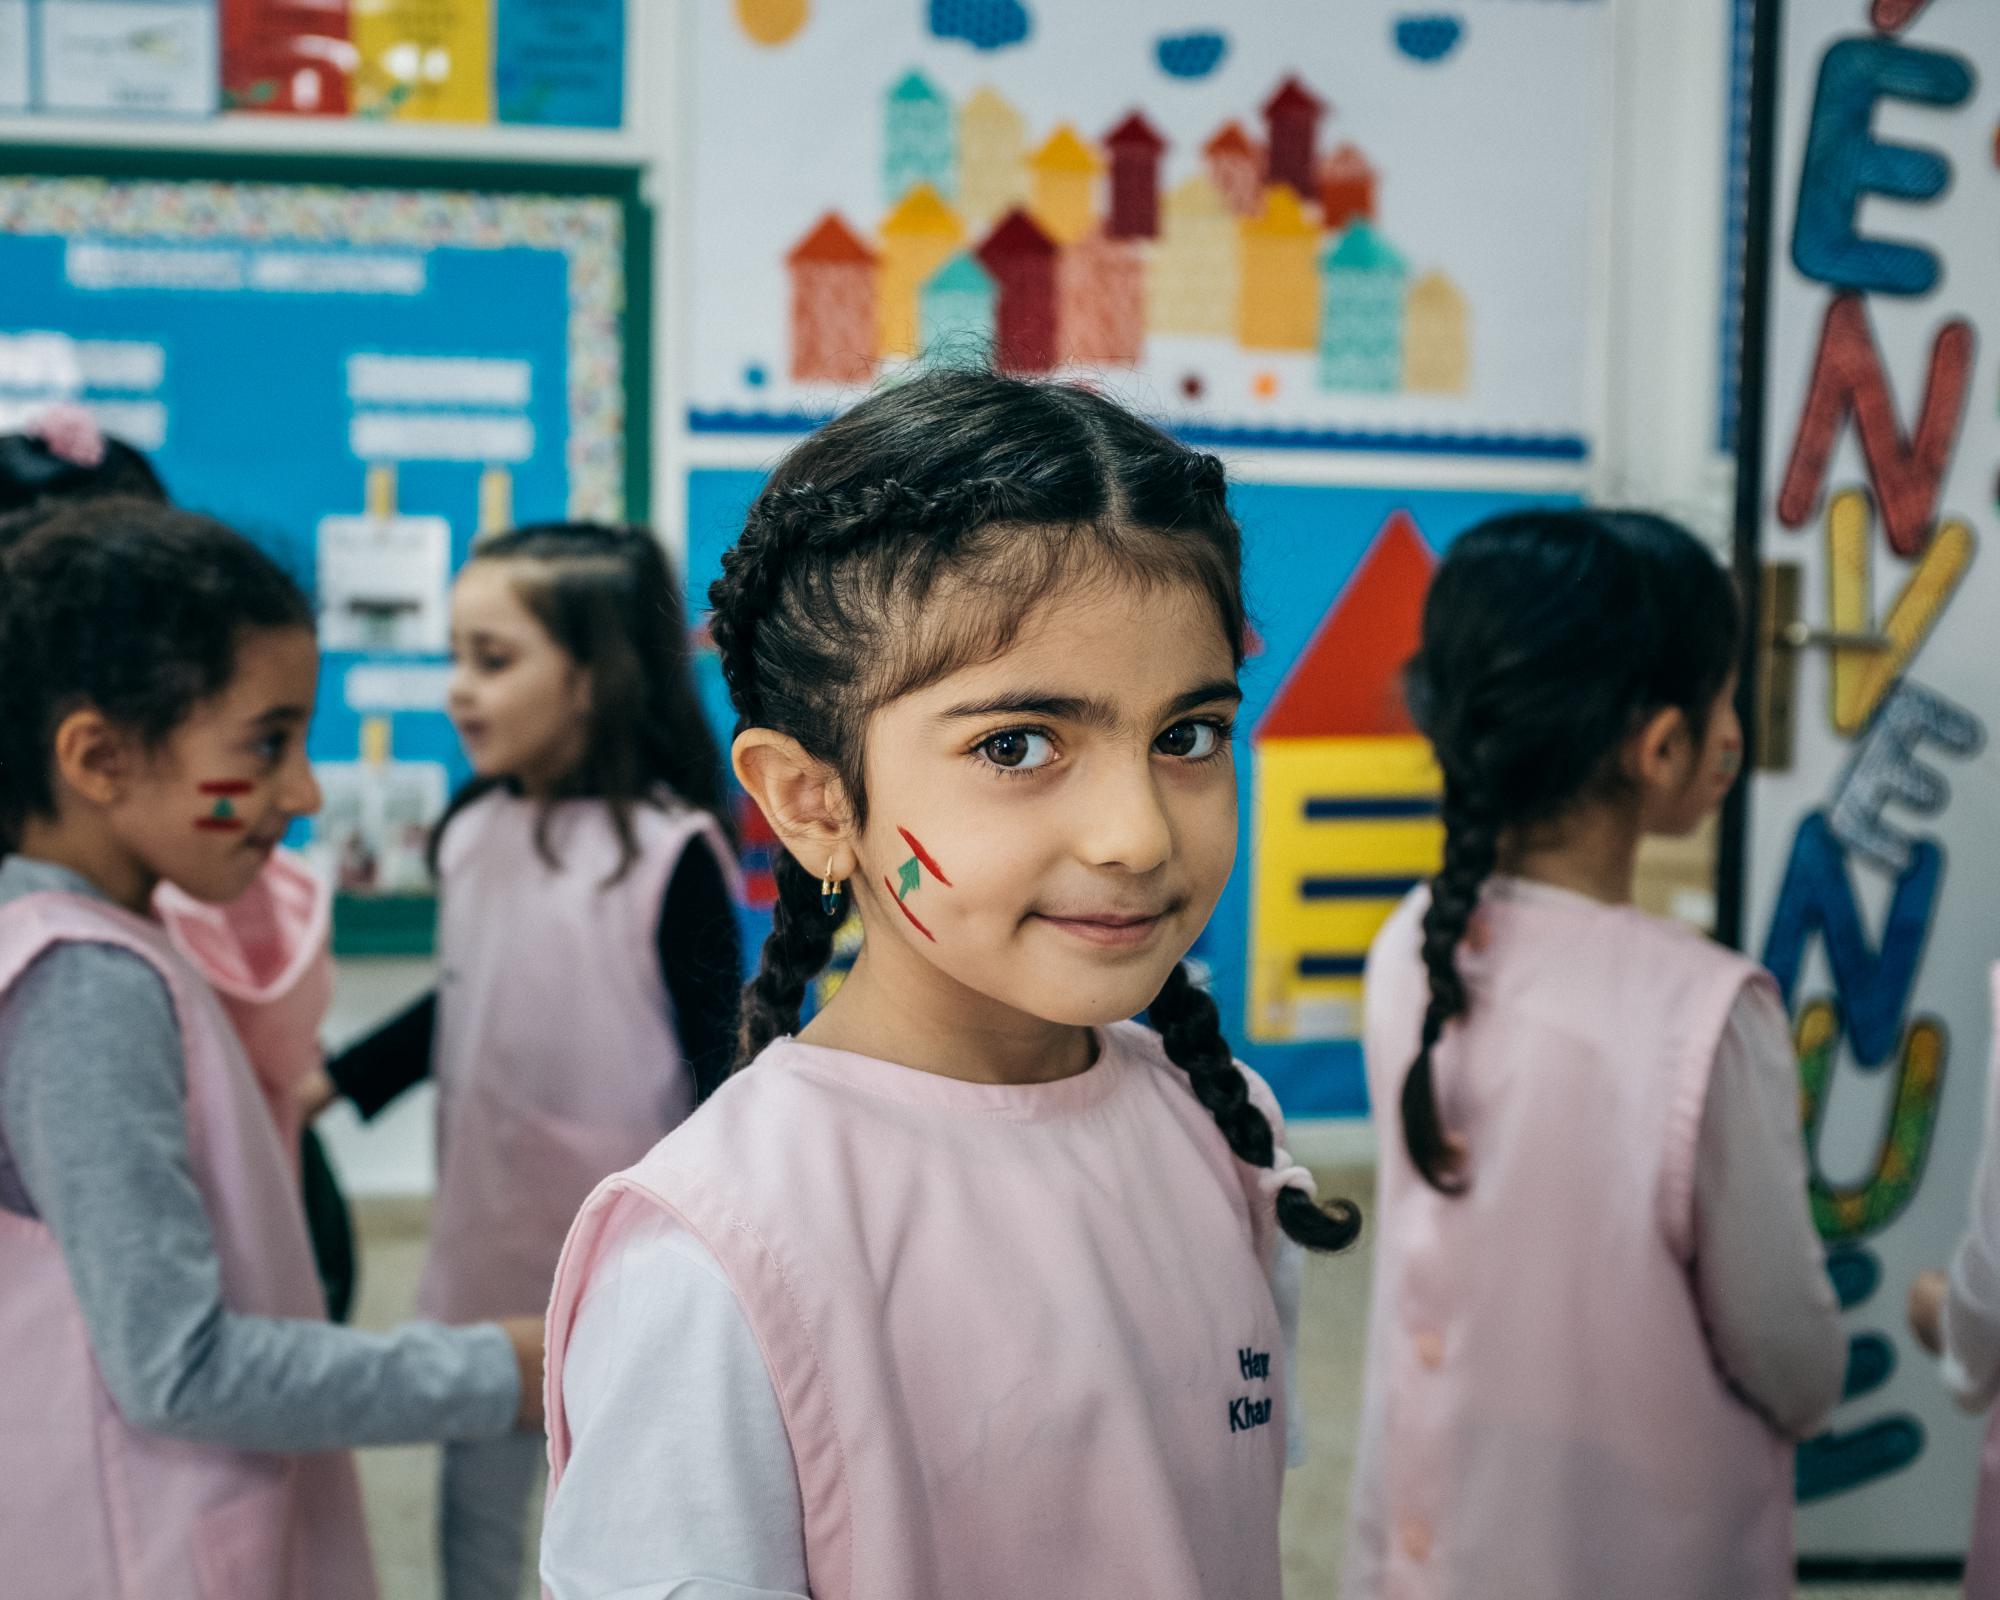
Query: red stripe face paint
[(926, 932), (226, 788), (924, 857), (219, 824)]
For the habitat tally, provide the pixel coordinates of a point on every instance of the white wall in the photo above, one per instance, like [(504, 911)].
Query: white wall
[(1660, 274)]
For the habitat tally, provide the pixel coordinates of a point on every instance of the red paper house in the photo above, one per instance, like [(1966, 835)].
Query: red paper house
[(833, 304), (1136, 148), (1102, 290), (1292, 116), (1346, 188), (1021, 260), (1236, 166)]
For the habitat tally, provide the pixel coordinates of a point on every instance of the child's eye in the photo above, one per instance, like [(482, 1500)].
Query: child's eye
[(271, 748), (1018, 750), (1191, 741)]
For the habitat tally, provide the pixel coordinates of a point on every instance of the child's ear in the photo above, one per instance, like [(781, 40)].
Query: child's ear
[(801, 797), (94, 758), (1655, 756)]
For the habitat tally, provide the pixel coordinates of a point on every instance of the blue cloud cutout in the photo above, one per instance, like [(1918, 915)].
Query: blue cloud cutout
[(1190, 55), (983, 24), (1428, 38)]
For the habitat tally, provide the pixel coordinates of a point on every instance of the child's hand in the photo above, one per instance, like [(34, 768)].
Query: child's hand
[(1927, 1297), (526, 1335), (314, 1093)]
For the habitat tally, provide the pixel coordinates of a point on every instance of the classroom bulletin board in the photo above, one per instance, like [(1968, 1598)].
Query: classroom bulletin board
[(361, 372)]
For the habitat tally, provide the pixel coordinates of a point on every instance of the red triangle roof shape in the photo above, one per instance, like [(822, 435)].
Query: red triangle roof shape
[(1018, 234), (1137, 132), (831, 240), (1347, 682), (1293, 93), (1230, 140)]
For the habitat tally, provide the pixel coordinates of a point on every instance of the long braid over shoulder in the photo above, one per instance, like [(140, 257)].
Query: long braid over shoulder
[(1550, 636)]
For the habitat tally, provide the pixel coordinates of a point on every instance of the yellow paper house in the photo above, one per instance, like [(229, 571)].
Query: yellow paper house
[(1346, 801), (1192, 287), (1065, 172), (1278, 299), (918, 237), (992, 159), (1437, 356)]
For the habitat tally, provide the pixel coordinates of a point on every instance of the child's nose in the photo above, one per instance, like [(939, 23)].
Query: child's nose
[(1122, 822), (301, 796)]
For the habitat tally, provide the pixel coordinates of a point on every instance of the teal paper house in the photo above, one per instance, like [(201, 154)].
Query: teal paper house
[(1364, 285), (917, 142), (956, 311)]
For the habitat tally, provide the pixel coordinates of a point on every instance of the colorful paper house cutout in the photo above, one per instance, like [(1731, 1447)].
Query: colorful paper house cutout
[(1192, 281), (920, 235), (833, 304), (1065, 172), (1347, 183), (1437, 337), (917, 138), (1291, 118), (1236, 163), (1347, 799), (1021, 260), (958, 307), (1278, 299), (992, 158), (1136, 151), (1101, 302), (1361, 333)]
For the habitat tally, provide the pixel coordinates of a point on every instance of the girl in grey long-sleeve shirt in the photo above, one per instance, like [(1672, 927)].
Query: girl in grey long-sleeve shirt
[(160, 674), (94, 1143)]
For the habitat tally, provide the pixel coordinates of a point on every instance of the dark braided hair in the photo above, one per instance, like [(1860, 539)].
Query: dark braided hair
[(958, 482), (1549, 637), (608, 597)]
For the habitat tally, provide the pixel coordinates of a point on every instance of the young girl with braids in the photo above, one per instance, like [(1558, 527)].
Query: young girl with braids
[(1599, 1315), (970, 1287), (587, 947)]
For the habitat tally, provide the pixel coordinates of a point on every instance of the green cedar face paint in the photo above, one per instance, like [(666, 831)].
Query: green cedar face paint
[(910, 878)]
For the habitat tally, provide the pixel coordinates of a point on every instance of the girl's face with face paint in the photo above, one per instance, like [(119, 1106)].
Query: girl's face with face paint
[(205, 810), (1049, 831)]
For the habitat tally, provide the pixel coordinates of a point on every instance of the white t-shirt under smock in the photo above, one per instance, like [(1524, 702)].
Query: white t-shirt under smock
[(662, 1367)]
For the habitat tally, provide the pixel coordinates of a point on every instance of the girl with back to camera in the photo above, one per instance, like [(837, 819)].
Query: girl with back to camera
[(1599, 1315), (972, 1287), (587, 944)]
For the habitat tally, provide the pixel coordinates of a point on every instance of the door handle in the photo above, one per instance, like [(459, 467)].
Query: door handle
[(1797, 635), (1782, 636)]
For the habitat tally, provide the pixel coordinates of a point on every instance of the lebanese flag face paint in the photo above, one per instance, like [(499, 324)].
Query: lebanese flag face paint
[(221, 816), (910, 878)]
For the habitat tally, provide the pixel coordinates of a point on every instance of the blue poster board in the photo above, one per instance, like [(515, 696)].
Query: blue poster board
[(302, 359), (1303, 547)]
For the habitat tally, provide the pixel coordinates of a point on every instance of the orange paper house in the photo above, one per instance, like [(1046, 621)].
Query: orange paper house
[(1278, 298)]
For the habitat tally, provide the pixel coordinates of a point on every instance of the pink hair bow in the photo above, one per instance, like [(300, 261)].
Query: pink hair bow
[(70, 433)]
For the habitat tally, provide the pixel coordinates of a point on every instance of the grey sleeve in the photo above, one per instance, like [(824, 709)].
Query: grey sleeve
[(1759, 1269), (92, 1110)]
